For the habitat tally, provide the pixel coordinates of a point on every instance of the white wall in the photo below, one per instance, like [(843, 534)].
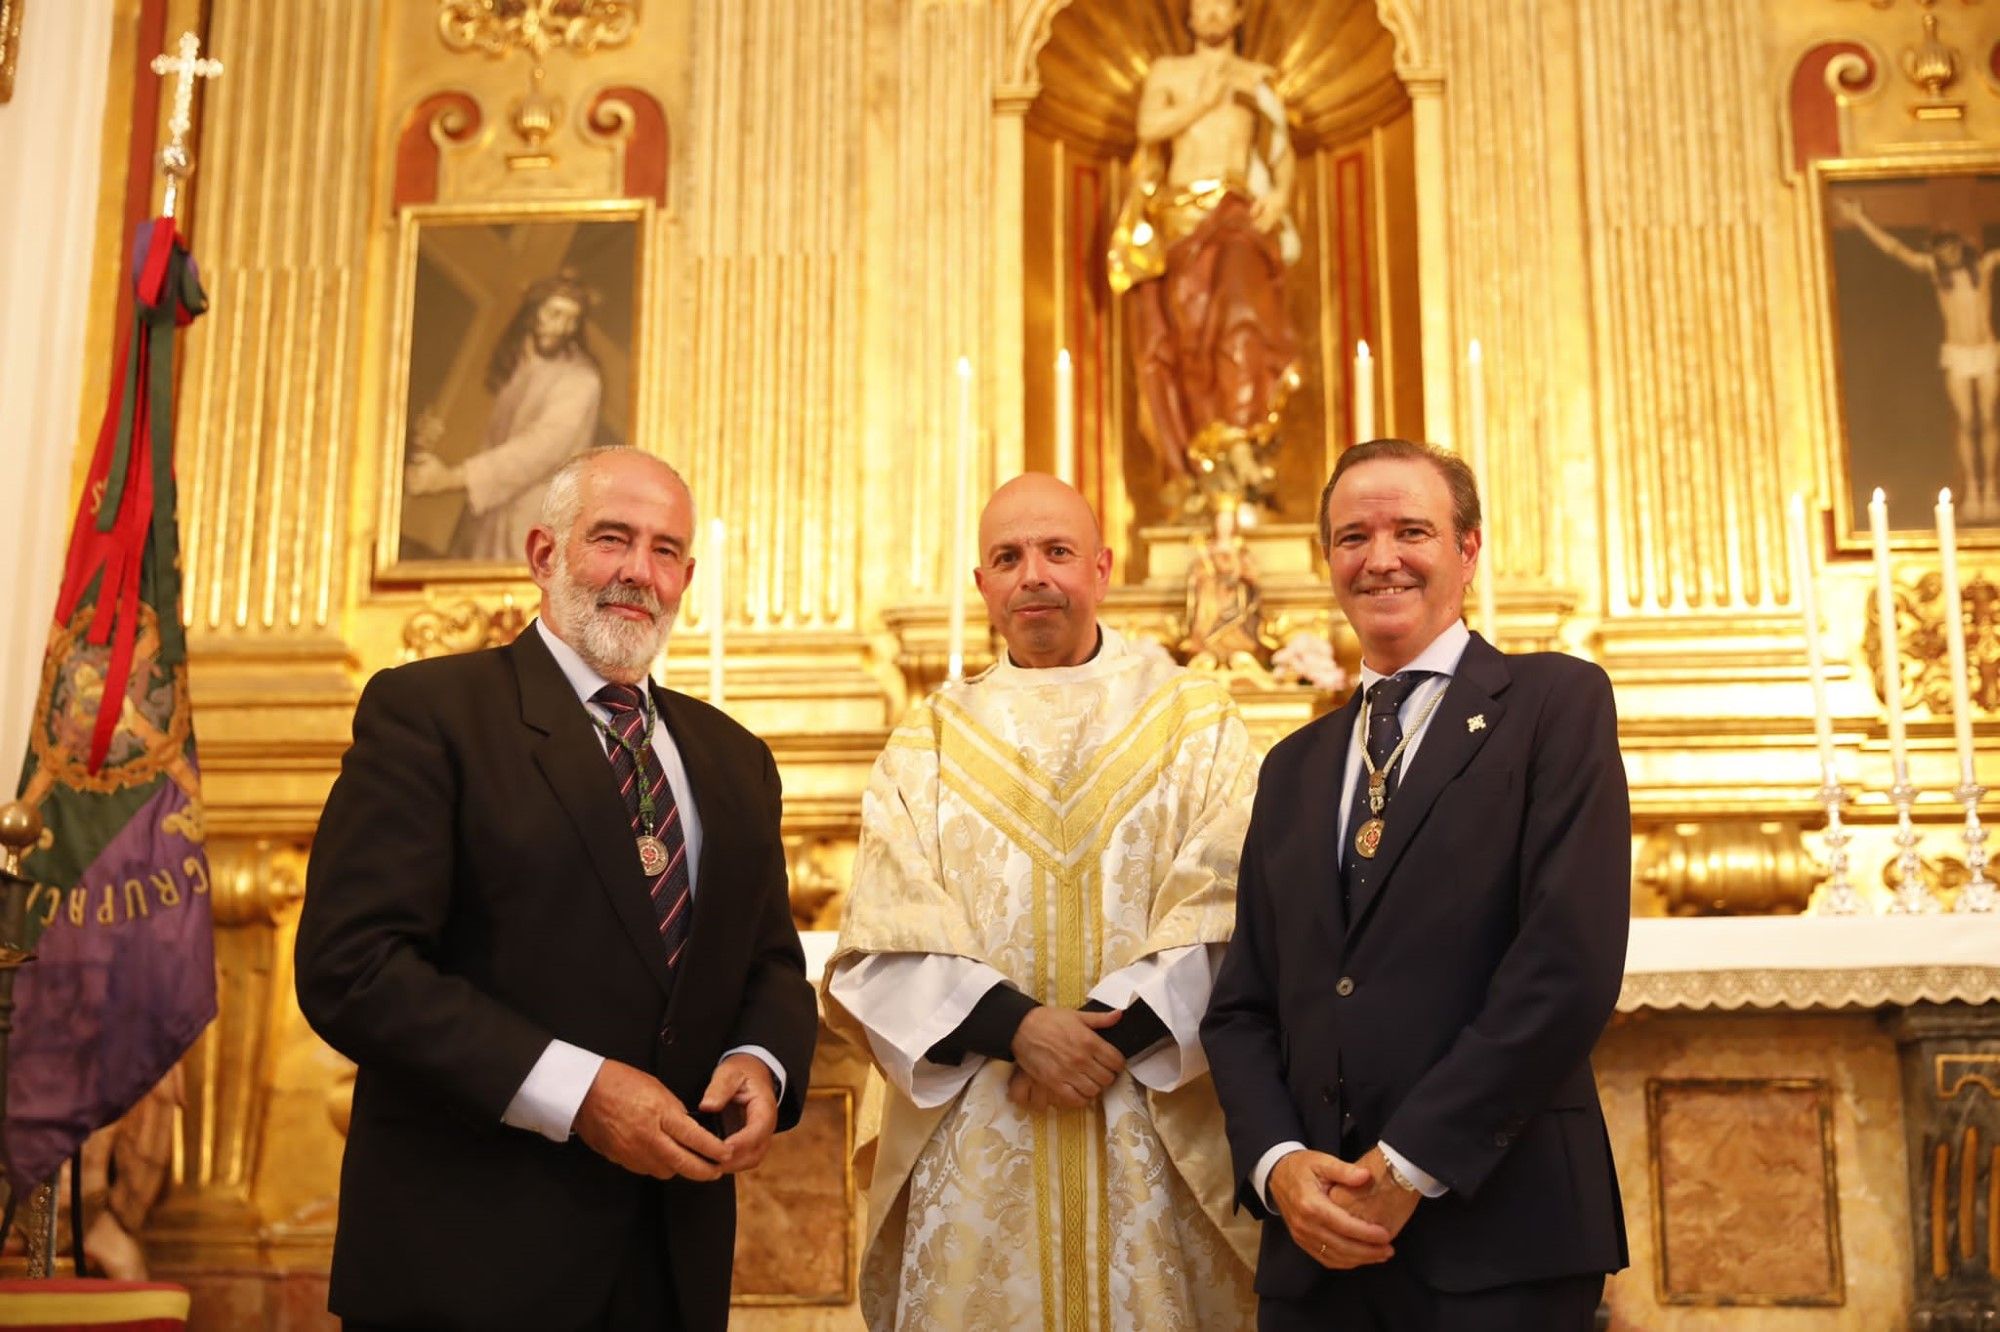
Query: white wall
[(50, 146)]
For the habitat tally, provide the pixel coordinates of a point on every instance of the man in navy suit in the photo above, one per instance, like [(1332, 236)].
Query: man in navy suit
[(1430, 936)]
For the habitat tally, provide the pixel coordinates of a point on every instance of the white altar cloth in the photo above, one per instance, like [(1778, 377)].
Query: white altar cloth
[(1787, 962), (1801, 962)]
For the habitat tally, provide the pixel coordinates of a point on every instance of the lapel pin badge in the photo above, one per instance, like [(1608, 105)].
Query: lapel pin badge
[(1476, 722)]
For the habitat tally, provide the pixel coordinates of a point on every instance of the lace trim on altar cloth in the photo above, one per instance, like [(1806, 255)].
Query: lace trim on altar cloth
[(1833, 987)]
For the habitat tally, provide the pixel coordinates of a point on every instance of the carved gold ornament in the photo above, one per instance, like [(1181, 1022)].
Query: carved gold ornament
[(495, 27), (1930, 64), (463, 626), (1729, 867), (1922, 660)]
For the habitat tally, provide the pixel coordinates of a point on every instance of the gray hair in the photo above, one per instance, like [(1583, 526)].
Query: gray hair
[(562, 501)]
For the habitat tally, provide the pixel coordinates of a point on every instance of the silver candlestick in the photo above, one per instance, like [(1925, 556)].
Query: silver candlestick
[(1978, 894), (1913, 896), (1839, 899)]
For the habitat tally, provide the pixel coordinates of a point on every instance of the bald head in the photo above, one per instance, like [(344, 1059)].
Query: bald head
[(1043, 569), (1042, 499)]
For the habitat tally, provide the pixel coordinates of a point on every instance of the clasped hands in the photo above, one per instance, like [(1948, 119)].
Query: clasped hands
[(1059, 1059), (630, 1118), (1344, 1214)]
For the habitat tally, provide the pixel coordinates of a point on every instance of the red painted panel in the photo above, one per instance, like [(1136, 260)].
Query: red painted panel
[(1815, 110), (646, 140), (417, 152)]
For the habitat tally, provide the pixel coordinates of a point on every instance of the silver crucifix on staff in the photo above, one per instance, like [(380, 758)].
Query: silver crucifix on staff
[(187, 65)]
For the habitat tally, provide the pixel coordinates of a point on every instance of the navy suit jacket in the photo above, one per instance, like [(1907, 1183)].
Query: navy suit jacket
[(1454, 1013), (474, 892)]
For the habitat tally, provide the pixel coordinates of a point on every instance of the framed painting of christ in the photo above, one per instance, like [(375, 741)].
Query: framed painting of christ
[(516, 345), (1911, 258)]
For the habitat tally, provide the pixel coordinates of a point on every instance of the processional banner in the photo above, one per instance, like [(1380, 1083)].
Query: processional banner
[(123, 979)]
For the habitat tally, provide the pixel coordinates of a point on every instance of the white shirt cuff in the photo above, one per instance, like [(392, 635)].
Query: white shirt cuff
[(770, 1061), (553, 1091), (1260, 1178), (1427, 1184), (908, 1002)]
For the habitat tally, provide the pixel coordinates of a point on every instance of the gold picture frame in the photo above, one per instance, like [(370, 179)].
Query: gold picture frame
[(1900, 394), (519, 336)]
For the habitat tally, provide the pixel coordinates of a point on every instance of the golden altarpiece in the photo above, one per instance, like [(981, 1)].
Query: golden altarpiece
[(788, 218)]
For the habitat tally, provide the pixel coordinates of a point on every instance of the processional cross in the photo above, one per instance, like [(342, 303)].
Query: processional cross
[(187, 65)]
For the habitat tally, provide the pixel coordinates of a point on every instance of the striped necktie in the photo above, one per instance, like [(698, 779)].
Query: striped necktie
[(670, 889)]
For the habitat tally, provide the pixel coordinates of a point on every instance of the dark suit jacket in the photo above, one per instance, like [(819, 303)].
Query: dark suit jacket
[(474, 892), (1454, 1015)]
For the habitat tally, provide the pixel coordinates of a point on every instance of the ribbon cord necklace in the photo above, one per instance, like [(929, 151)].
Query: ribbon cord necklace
[(652, 851), (1368, 837)]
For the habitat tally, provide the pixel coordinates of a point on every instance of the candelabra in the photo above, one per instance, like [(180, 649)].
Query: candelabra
[(1839, 899), (1913, 896), (1978, 894)]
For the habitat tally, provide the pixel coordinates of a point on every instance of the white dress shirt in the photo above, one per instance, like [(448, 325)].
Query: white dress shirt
[(1441, 659), (548, 1098)]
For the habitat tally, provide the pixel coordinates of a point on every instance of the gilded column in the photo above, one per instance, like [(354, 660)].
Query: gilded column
[(1683, 208), (266, 423), (934, 223), (1413, 24), (265, 434), (1493, 243), (209, 1215), (1505, 245), (772, 379), (265, 417)]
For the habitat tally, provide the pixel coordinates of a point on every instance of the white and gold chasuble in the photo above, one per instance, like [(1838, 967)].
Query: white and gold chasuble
[(1074, 831)]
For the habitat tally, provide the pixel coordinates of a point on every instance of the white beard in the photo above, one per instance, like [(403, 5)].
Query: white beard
[(609, 644)]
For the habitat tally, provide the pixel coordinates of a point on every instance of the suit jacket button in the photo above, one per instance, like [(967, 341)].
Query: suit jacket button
[(667, 1034), (1502, 1138), (1344, 986)]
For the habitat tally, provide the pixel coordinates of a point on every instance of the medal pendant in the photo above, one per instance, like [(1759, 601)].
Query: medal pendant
[(1368, 839), (653, 855)]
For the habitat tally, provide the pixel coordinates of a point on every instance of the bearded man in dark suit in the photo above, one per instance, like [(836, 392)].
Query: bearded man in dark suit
[(1430, 937), (546, 916)]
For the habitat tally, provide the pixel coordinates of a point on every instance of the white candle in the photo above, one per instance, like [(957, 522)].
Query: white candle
[(1809, 605), (1364, 393), (1954, 636), (1890, 654), (961, 499), (718, 607), (1065, 419), (1489, 609)]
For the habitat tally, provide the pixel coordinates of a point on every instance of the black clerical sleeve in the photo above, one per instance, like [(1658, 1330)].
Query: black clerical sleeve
[(989, 1028), (1138, 1031)]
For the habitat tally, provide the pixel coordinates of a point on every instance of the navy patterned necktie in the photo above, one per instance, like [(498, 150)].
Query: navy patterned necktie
[(1384, 732), (670, 888)]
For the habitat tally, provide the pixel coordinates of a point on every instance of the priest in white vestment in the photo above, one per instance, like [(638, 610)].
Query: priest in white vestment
[(1045, 883)]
